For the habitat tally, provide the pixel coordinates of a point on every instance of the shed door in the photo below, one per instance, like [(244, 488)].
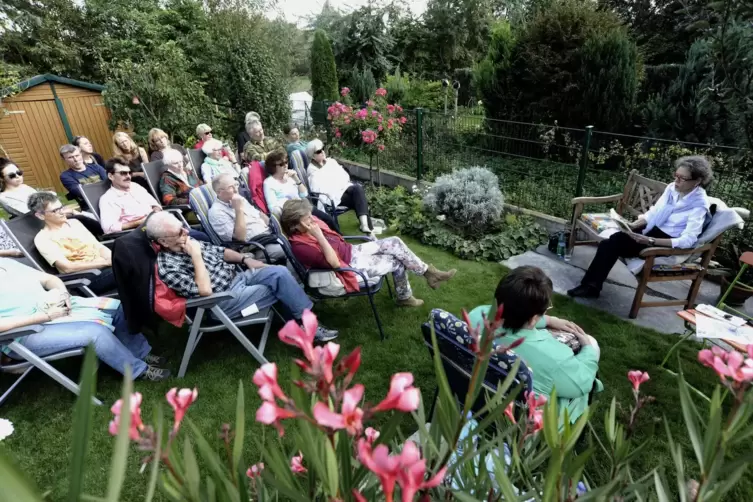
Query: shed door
[(88, 117)]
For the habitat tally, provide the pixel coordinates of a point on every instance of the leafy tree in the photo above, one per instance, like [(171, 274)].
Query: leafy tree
[(159, 92), (366, 43), (323, 70)]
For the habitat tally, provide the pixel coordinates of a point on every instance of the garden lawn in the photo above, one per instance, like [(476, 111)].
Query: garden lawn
[(41, 410)]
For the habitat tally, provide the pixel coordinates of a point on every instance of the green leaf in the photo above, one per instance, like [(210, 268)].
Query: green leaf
[(551, 422), (500, 474), (15, 485), (240, 427), (192, 476), (610, 419), (212, 489), (242, 482), (82, 424), (661, 488), (157, 454), (345, 452), (553, 475), (577, 430), (333, 474), (689, 412), (711, 446), (211, 459), (447, 402), (119, 459), (464, 497)]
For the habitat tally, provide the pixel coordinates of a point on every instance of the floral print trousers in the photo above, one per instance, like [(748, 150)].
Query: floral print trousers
[(388, 255)]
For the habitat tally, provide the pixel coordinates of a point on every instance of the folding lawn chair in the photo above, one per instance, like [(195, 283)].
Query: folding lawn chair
[(453, 341), (369, 286), (299, 163), (196, 156)]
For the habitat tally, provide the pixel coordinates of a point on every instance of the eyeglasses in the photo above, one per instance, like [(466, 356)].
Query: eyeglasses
[(318, 152), (680, 178), (208, 132), (183, 231), (57, 210), (123, 173), (17, 174)]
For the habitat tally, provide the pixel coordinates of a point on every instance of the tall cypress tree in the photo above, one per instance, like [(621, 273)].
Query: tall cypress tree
[(323, 70)]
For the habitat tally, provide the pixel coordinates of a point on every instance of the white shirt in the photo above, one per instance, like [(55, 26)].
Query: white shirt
[(680, 218), (222, 219), (276, 193), (330, 179), (117, 207), (16, 201)]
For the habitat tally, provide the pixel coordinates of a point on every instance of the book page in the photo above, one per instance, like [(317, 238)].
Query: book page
[(622, 222)]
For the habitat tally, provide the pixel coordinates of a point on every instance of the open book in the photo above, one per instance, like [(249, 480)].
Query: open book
[(621, 222)]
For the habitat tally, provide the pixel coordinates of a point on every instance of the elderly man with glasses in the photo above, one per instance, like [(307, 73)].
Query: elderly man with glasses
[(178, 180)]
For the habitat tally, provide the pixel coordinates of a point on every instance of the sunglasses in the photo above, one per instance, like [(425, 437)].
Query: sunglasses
[(318, 152), (17, 174), (208, 132), (123, 173)]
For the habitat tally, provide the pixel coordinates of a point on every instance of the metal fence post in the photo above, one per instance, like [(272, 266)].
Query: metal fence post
[(584, 161), (419, 143)]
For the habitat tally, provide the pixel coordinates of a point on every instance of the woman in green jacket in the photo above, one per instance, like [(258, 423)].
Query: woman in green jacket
[(526, 295)]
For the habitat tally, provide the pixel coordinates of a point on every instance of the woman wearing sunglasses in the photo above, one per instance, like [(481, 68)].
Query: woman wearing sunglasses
[(326, 176), (14, 193)]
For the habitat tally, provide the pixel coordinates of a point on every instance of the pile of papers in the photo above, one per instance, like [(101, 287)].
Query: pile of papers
[(715, 323)]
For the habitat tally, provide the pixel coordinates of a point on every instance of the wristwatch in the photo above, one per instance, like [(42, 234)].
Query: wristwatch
[(246, 256), (651, 241)]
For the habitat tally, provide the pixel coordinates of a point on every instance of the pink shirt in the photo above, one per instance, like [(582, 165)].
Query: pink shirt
[(117, 207)]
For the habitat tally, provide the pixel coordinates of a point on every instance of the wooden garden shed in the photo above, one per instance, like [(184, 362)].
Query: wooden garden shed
[(39, 115)]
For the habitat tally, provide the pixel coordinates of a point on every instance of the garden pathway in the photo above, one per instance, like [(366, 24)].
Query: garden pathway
[(617, 295)]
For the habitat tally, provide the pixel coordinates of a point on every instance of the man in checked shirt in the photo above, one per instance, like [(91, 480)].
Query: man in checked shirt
[(192, 269)]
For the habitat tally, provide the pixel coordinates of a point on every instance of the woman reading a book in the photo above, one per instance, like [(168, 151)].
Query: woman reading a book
[(675, 221)]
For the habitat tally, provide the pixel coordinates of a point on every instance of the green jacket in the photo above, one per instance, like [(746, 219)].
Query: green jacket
[(553, 364), (259, 150)]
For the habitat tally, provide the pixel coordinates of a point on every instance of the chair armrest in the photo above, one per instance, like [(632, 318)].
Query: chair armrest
[(261, 248), (657, 251), (597, 200), (12, 334), (323, 198), (179, 207), (77, 283), (339, 269), (178, 213), (208, 301), (365, 238), (115, 235), (108, 243), (82, 274)]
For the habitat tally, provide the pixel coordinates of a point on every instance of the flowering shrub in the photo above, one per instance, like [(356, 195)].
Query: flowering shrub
[(373, 127)]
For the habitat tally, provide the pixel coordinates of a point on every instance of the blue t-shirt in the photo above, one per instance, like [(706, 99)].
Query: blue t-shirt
[(92, 173)]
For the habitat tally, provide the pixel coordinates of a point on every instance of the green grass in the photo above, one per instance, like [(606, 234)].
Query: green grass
[(42, 411)]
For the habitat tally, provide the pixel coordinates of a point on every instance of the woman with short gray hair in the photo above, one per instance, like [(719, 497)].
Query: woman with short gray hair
[(675, 221)]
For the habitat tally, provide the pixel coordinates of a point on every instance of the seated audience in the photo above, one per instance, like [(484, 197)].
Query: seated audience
[(28, 297), (87, 151), (315, 245), (123, 147), (283, 185), (214, 163), (245, 135), (293, 137), (79, 173), (675, 221), (68, 246), (178, 180), (193, 269), (159, 143), (204, 133), (14, 197), (326, 176), (233, 218), (126, 205), (526, 294), (258, 147)]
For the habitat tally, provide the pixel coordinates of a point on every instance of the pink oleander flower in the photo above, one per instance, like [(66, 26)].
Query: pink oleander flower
[(381, 92), (399, 108), (637, 378), (412, 473), (510, 412), (371, 434), (271, 414), (390, 109), (374, 113), (181, 400), (380, 119), (292, 334), (136, 426), (381, 148), (730, 364), (266, 379), (296, 464), (370, 103), (254, 471), (135, 100), (403, 120), (351, 417), (350, 364), (749, 349), (357, 495), (344, 91), (535, 413), (402, 395), (380, 463), (390, 123), (337, 133), (362, 113), (380, 128), (347, 121), (368, 136)]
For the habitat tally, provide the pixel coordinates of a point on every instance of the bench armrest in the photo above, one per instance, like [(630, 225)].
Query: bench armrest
[(208, 301), (597, 200), (658, 251), (12, 334)]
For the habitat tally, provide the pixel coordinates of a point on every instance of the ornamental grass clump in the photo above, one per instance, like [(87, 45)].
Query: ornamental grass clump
[(469, 198)]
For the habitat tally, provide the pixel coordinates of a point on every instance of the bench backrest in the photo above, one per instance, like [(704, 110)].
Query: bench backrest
[(640, 194)]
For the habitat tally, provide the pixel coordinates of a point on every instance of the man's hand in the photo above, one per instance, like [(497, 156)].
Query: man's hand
[(555, 323), (251, 263), (192, 248), (237, 201)]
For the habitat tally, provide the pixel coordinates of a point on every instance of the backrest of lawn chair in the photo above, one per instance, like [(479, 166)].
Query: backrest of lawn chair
[(454, 340), (92, 192), (298, 162), (201, 199), (254, 178), (153, 171), (274, 225), (22, 231), (640, 194), (196, 156)]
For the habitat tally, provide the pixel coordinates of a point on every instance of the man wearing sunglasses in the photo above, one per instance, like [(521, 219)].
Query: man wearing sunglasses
[(68, 246), (125, 205)]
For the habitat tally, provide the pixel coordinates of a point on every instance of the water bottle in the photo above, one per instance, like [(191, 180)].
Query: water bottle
[(561, 245)]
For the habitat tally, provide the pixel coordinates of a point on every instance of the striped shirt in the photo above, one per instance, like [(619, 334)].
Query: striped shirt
[(681, 218)]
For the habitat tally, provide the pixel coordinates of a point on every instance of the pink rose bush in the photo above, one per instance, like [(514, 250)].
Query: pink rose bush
[(363, 126)]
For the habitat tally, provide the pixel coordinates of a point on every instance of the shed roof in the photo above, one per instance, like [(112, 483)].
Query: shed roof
[(48, 77)]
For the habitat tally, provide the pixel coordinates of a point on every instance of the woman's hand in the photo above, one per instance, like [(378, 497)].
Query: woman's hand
[(640, 239), (57, 312), (290, 173), (313, 230), (558, 324)]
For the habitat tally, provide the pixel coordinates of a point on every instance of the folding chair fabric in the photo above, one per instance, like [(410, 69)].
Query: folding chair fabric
[(201, 199), (196, 156), (153, 171)]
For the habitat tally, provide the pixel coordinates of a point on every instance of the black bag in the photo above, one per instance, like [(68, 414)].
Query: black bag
[(554, 240)]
